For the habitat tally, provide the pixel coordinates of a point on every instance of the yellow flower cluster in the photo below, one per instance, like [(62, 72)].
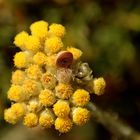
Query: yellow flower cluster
[(44, 88)]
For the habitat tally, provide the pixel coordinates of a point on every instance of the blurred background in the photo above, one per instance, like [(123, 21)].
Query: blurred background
[(107, 31)]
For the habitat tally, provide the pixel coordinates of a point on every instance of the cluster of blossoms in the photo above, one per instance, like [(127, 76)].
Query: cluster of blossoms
[(50, 86)]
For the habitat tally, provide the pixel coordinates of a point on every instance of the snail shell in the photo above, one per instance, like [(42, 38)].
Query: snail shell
[(64, 59)]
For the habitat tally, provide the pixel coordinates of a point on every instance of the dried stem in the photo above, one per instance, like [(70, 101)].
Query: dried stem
[(113, 123)]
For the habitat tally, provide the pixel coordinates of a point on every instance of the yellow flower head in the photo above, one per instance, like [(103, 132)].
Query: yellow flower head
[(61, 108), (22, 59), (39, 58), (9, 116), (80, 97), (31, 120), (34, 72), (76, 52), (39, 29), (31, 87), (49, 86), (99, 86), (46, 119), (34, 105), (16, 93), (57, 30), (18, 109), (33, 44), (50, 61), (48, 80), (18, 77), (80, 115), (13, 114), (20, 39), (53, 45), (63, 125), (63, 91), (47, 97)]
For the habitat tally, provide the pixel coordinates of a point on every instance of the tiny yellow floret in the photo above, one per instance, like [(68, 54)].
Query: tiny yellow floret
[(31, 120), (9, 116), (16, 93), (53, 45), (39, 29), (48, 80), (40, 58), (20, 39), (13, 114), (22, 59), (31, 88), (47, 97), (34, 105), (80, 115), (63, 91), (61, 108), (99, 85), (46, 119), (50, 61), (19, 109), (33, 44), (57, 30), (63, 125), (76, 52), (18, 77), (34, 72), (80, 97)]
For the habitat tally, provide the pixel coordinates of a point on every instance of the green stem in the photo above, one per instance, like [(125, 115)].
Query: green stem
[(113, 123)]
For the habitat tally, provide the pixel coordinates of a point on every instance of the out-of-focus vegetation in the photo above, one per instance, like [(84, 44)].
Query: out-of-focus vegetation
[(107, 31)]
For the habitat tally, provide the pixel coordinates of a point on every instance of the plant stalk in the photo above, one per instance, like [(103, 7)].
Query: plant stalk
[(112, 123)]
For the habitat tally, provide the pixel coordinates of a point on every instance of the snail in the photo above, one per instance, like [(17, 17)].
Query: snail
[(80, 72), (64, 61)]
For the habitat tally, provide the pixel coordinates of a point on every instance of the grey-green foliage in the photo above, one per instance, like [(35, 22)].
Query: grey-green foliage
[(5, 76)]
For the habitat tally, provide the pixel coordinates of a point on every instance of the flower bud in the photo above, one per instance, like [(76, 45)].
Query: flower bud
[(61, 108), (63, 125), (53, 45), (48, 80), (99, 86), (57, 30), (46, 119), (30, 120), (18, 77), (47, 97), (22, 59), (80, 115), (34, 72), (80, 97), (63, 91)]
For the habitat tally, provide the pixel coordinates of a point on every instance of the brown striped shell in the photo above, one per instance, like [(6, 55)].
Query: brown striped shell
[(64, 59)]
